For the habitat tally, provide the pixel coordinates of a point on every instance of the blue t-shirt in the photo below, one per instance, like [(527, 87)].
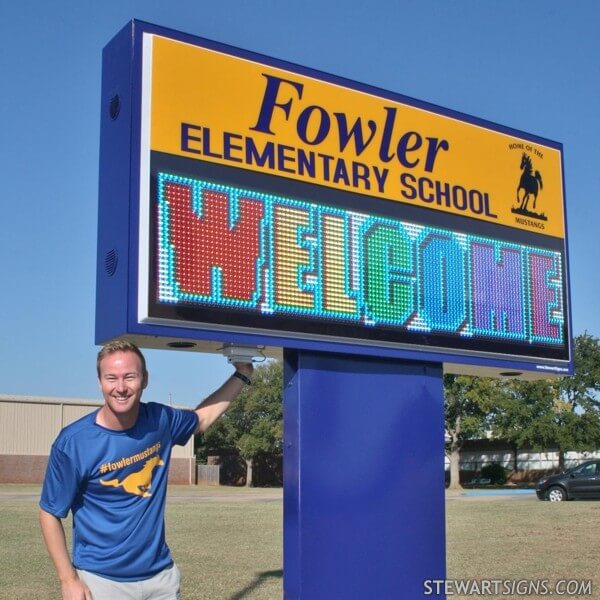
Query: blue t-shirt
[(115, 484)]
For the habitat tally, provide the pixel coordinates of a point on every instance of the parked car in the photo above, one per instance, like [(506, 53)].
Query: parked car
[(582, 481)]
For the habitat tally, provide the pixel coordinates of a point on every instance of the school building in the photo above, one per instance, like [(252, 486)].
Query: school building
[(29, 425)]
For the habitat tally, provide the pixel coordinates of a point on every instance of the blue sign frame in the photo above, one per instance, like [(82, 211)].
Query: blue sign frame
[(122, 287)]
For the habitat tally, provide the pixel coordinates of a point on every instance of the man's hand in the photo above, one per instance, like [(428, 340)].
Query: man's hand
[(75, 589), (245, 368)]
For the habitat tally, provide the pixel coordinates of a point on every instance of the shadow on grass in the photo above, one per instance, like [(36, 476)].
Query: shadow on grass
[(258, 581)]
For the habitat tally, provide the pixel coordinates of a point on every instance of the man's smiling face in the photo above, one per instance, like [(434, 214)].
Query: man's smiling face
[(122, 382)]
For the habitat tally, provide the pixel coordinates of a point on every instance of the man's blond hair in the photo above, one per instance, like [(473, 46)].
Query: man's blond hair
[(120, 346)]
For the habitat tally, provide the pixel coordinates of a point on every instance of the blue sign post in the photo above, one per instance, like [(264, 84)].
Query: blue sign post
[(363, 477)]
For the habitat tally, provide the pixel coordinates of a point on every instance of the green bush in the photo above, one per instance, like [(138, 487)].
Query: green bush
[(495, 472)]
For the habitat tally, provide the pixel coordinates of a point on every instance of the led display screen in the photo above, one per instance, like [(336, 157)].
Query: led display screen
[(247, 257)]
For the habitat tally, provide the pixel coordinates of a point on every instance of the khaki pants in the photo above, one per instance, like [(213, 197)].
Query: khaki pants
[(163, 586)]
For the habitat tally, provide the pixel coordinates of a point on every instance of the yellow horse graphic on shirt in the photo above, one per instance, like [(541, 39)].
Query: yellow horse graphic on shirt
[(139, 482)]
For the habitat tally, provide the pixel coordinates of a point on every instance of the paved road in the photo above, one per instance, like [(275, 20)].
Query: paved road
[(176, 493), (491, 495), (188, 493), (225, 494)]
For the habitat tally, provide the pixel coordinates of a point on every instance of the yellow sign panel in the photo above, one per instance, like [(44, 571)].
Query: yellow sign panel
[(220, 108)]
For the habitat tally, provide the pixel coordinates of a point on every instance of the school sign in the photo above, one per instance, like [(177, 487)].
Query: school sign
[(248, 200)]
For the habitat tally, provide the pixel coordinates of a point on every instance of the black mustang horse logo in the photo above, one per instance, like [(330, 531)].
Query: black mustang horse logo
[(530, 183)]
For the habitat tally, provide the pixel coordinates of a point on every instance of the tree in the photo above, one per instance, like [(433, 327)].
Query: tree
[(527, 415), (581, 390), (253, 425), (564, 414), (468, 402), (580, 414)]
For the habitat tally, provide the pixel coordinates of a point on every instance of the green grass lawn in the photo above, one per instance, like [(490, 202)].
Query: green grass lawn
[(225, 549), (230, 549), (523, 539)]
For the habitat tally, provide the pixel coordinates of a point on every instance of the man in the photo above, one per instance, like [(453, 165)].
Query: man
[(110, 468)]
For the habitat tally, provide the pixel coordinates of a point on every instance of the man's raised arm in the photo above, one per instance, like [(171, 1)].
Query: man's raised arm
[(218, 402)]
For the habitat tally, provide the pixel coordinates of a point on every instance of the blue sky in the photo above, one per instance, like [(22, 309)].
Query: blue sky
[(528, 65)]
